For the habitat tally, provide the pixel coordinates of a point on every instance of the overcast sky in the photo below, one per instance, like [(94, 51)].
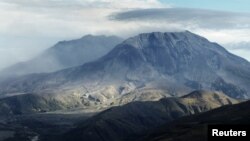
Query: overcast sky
[(29, 26)]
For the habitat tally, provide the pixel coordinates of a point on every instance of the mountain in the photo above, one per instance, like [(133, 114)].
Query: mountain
[(169, 64), (194, 127), (65, 54), (134, 119)]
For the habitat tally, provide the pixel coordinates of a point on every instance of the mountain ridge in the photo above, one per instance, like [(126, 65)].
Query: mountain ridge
[(194, 127), (65, 54), (132, 120), (176, 63)]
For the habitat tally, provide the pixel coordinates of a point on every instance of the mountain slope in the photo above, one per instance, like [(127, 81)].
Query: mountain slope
[(132, 120), (32, 103), (65, 54), (194, 127), (175, 63)]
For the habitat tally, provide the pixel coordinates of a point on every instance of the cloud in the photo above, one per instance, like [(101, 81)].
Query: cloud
[(240, 48), (242, 53), (114, 4), (38, 17), (218, 26), (29, 26), (245, 46), (187, 17), (230, 29)]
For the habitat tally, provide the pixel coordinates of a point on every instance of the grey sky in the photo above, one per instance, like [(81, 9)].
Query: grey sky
[(29, 26)]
